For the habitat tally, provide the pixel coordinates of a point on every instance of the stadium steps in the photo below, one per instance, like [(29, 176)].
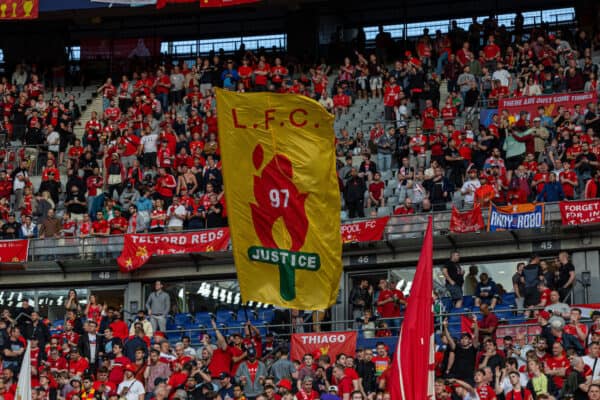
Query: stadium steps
[(96, 105)]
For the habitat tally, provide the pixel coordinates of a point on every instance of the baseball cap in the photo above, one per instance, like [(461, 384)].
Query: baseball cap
[(130, 368), (544, 314), (285, 383), (224, 375), (333, 388), (251, 351)]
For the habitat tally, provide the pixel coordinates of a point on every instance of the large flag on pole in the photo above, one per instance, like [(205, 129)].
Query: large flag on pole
[(412, 373), (283, 200), (24, 383)]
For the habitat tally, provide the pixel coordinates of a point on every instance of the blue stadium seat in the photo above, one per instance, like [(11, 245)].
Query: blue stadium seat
[(508, 299), (182, 318), (468, 301)]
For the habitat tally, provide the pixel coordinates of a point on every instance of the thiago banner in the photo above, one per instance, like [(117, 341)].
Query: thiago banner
[(282, 197), (137, 249), (519, 216), (320, 344), (13, 251), (550, 103), (364, 231), (101, 49), (18, 9), (467, 221), (580, 212)]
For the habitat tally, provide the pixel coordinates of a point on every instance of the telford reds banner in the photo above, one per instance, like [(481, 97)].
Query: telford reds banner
[(138, 248), (364, 231), (92, 49), (518, 216), (580, 212), (19, 9), (13, 251), (550, 103), (320, 344)]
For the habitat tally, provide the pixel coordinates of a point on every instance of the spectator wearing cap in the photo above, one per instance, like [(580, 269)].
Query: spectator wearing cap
[(130, 388), (77, 364), (225, 386), (251, 374)]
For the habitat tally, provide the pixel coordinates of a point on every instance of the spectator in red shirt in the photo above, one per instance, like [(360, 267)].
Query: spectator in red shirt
[(341, 103), (376, 188), (430, 114), (406, 208), (344, 383), (388, 303)]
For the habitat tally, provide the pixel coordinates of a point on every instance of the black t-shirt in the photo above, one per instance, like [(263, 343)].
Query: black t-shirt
[(585, 167), (450, 152), (214, 219), (13, 345), (563, 274), (76, 208), (455, 272), (464, 362)]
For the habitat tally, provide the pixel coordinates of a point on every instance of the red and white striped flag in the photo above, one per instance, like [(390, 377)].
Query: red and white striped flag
[(413, 367)]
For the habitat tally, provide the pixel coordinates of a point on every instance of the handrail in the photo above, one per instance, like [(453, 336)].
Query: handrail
[(398, 227)]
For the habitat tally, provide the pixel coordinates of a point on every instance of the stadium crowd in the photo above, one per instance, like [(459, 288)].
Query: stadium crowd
[(150, 161), (96, 354)]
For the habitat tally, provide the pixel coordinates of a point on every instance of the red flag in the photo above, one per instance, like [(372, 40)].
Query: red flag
[(466, 325), (467, 221), (412, 370), (364, 231), (163, 3)]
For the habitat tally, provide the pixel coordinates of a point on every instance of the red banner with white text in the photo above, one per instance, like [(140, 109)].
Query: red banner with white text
[(550, 102), (580, 212), (13, 251), (467, 221), (138, 249), (364, 231), (19, 9), (320, 344)]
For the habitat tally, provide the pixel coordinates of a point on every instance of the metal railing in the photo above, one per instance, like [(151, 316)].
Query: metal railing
[(398, 227)]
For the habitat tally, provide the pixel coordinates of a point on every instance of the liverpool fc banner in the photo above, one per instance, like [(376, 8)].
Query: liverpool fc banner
[(282, 197), (364, 231), (138, 248), (13, 251), (518, 216)]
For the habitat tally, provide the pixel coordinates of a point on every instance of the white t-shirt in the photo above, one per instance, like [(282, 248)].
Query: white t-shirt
[(589, 361), (149, 143), (173, 221), (503, 75), (53, 140), (473, 185), (135, 389)]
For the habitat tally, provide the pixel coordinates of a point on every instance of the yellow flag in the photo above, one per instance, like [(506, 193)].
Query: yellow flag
[(283, 199)]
